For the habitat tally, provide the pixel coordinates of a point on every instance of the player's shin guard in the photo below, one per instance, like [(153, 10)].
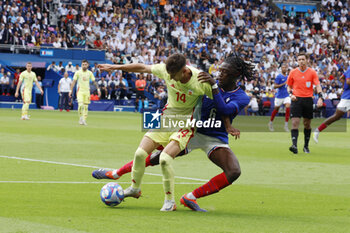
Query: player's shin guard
[(126, 168), (85, 112), (273, 114), (168, 175), (307, 133), (287, 114), (295, 134), (138, 168), (80, 110), (214, 185)]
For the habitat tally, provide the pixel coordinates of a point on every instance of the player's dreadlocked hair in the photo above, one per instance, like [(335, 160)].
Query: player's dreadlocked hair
[(243, 68)]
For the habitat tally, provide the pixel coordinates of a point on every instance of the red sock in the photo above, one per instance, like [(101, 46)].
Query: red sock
[(214, 185), (322, 127), (287, 114), (148, 160), (273, 114), (126, 168)]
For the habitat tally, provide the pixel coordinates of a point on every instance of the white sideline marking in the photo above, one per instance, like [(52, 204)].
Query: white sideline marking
[(81, 165), (79, 182)]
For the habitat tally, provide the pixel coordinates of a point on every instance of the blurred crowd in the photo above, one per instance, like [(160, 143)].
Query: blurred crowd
[(206, 31)]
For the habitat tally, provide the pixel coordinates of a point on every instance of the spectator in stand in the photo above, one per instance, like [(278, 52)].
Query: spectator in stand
[(60, 66), (5, 84), (94, 96), (64, 86), (57, 43), (214, 68), (62, 71), (161, 96), (98, 43), (332, 95), (253, 106), (140, 85), (113, 85), (103, 87), (109, 54), (123, 88), (38, 95), (53, 67), (94, 69), (109, 76), (2, 73), (76, 68), (70, 67), (266, 105)]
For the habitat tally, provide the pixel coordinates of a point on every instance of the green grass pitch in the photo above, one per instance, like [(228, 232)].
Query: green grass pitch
[(277, 191)]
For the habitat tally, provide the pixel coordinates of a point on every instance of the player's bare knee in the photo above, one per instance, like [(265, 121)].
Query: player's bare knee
[(233, 174)]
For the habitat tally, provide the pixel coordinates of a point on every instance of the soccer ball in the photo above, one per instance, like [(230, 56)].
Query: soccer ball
[(112, 194)]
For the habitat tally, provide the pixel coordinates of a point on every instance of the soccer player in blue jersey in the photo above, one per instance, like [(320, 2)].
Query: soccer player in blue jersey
[(282, 97), (228, 100), (342, 107)]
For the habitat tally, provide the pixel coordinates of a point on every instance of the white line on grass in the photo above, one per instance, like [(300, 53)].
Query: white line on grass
[(81, 165), (78, 182)]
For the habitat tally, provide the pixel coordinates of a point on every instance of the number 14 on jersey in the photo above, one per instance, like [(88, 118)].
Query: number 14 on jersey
[(181, 97)]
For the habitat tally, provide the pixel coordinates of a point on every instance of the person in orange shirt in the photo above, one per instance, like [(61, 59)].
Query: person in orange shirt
[(94, 96), (300, 86), (140, 85)]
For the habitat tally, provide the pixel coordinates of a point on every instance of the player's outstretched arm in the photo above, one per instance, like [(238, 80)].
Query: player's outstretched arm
[(134, 68)]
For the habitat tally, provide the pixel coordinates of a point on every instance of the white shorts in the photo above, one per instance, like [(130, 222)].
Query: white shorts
[(344, 105), (280, 101), (205, 143)]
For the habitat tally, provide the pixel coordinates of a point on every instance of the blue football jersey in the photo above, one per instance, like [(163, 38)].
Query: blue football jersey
[(282, 91), (238, 98), (346, 92)]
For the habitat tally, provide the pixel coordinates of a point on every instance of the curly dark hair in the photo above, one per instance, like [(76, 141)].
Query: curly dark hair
[(244, 69)]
